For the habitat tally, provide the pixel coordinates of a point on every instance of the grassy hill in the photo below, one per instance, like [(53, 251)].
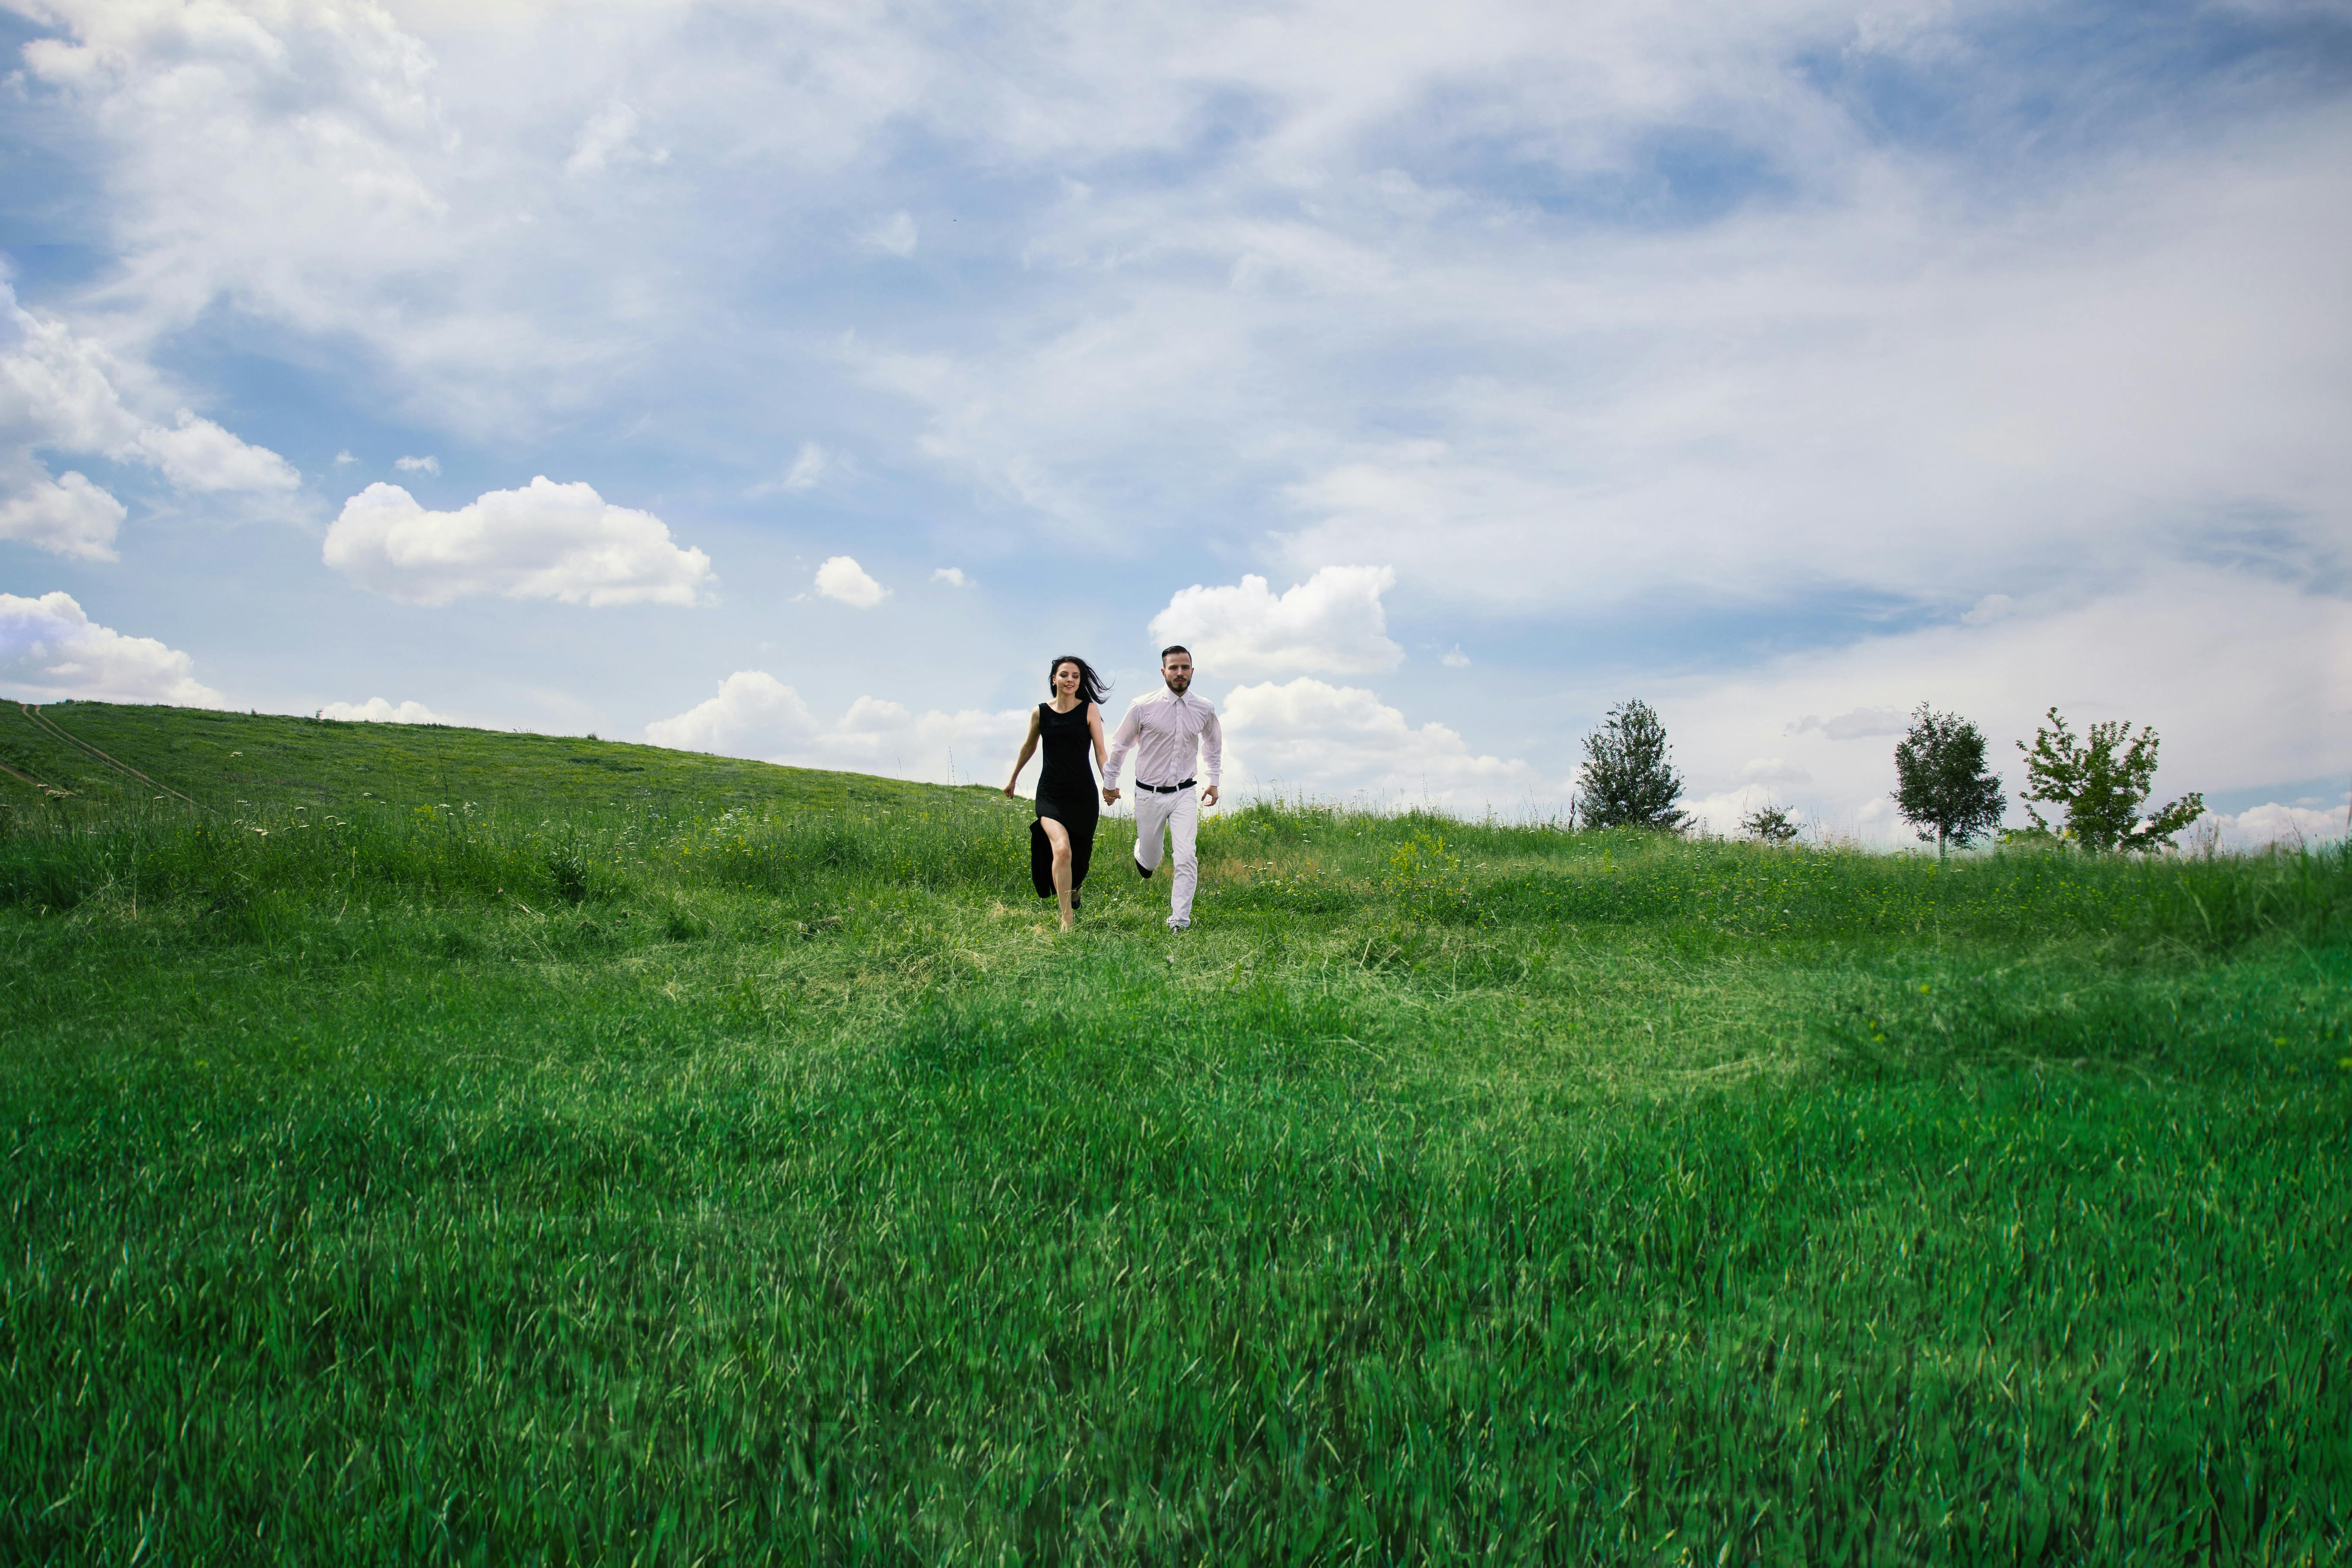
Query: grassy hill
[(441, 1145), (228, 760)]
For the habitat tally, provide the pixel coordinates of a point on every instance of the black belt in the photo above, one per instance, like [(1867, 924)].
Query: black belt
[(1166, 789)]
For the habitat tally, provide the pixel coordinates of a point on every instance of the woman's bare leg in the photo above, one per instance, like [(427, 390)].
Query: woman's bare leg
[(1059, 838)]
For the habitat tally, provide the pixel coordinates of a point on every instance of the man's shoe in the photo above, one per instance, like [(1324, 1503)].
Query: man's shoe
[(1180, 925), (1142, 869)]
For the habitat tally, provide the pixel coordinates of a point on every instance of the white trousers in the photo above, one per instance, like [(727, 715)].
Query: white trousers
[(1179, 815)]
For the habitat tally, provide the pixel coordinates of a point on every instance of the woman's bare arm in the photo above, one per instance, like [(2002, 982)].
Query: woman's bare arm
[(1094, 728), (1028, 746)]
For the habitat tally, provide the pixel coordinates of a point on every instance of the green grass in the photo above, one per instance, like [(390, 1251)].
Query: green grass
[(442, 1146)]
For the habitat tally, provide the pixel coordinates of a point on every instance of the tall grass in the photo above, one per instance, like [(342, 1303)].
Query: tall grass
[(758, 1184), (1304, 858)]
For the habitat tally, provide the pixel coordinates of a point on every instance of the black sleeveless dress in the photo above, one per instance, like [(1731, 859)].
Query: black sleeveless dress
[(1068, 793)]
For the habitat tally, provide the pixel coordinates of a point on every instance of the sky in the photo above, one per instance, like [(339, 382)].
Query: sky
[(797, 380)]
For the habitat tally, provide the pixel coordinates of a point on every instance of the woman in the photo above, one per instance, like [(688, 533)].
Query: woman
[(1062, 839)]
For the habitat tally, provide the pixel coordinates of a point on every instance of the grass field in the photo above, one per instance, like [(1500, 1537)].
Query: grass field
[(428, 1146)]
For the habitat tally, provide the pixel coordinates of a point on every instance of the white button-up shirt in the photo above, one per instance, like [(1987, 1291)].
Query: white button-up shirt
[(1166, 730)]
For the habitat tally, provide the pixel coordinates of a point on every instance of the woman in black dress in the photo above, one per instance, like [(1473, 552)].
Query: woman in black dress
[(1062, 839)]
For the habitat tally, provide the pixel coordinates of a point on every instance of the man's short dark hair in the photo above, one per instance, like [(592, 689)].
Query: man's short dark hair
[(1174, 647)]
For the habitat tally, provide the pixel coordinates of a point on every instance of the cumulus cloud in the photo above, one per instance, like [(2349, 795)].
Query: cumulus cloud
[(967, 745), (1342, 740), (65, 516), (842, 578), (1332, 624), (376, 710), (753, 714), (58, 388), (2288, 826), (546, 540), (425, 465), (953, 576), (2247, 681), (49, 649), (59, 392), (197, 455)]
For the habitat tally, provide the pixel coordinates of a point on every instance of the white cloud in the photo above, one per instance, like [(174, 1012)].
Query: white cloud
[(344, 459), (1988, 609), (1857, 724), (2289, 826), (1344, 741), (953, 576), (812, 466), (376, 710), (753, 715), (1907, 369), (58, 390), (369, 158), (895, 233), (1332, 624), (1804, 397), (1866, 354), (198, 455), (50, 649), (546, 540), (2247, 682), (68, 516), (1454, 659), (609, 136), (425, 465), (1822, 387), (841, 577), (807, 468), (968, 745), (756, 715)]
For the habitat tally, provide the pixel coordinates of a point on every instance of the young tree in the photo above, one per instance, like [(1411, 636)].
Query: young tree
[(1770, 823), (2102, 780), (1941, 785), (1627, 780)]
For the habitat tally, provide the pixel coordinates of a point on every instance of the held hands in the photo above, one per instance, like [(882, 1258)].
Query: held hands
[(1110, 797)]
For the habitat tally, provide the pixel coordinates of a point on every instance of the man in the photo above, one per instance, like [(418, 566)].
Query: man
[(1167, 731)]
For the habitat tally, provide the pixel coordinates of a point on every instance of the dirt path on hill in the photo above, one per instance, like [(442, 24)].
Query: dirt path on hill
[(28, 778), (49, 726)]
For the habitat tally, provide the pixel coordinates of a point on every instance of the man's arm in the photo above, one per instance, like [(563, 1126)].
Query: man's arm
[(1212, 756), (1120, 744)]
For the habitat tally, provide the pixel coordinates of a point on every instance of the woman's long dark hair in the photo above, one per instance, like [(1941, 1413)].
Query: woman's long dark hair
[(1091, 687)]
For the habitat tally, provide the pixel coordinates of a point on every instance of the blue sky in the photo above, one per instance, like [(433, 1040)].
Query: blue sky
[(1785, 365)]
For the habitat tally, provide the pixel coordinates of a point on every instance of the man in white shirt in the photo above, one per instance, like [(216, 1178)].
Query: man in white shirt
[(1167, 731)]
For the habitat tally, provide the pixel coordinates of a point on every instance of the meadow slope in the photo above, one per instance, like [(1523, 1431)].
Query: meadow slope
[(433, 1145)]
